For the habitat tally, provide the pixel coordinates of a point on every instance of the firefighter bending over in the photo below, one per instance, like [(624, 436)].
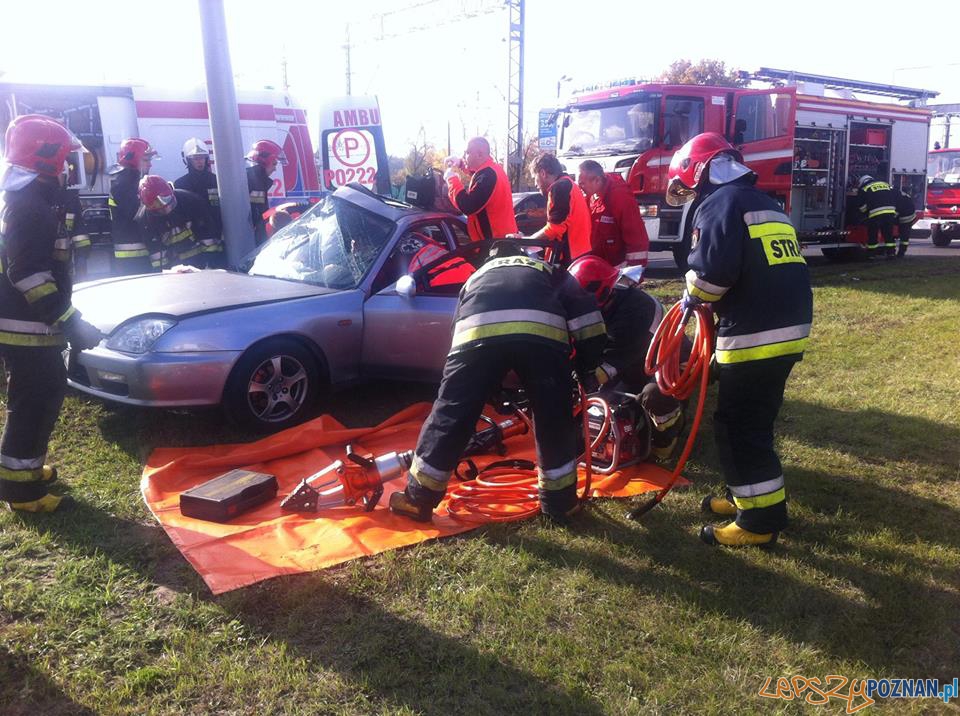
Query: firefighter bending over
[(632, 316), (175, 224), (746, 261), (517, 313), (877, 200), (37, 317)]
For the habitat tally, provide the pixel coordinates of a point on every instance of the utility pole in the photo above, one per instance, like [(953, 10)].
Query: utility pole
[(515, 92), (347, 48), (225, 130)]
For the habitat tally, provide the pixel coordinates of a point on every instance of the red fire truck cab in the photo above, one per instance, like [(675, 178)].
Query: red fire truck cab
[(807, 148), (943, 196)]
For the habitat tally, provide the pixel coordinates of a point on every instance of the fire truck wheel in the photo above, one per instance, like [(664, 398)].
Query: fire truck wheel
[(274, 386), (939, 236)]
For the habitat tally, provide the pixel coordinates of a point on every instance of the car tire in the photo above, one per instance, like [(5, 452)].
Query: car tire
[(273, 386), (939, 237)]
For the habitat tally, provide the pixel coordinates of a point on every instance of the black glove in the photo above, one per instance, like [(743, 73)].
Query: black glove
[(80, 334)]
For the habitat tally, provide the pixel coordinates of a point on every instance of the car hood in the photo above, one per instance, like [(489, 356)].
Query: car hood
[(110, 302)]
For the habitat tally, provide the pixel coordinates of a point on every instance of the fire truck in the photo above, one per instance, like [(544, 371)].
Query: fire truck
[(943, 196), (808, 137), (351, 136)]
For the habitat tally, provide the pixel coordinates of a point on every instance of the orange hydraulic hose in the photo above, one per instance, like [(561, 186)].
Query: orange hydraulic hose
[(504, 494), (664, 363)]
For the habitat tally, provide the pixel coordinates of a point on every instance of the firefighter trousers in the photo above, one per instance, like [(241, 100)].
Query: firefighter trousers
[(881, 226), (36, 385), (748, 402), (468, 379)]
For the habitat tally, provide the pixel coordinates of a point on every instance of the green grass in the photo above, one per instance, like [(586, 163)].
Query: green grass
[(100, 614)]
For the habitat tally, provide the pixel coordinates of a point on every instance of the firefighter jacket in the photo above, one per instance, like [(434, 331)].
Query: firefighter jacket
[(204, 185), (906, 211), (746, 260), (259, 183), (877, 199), (124, 203), (618, 235), (487, 202), (177, 237), (568, 217), (35, 284), (70, 217), (632, 316), (520, 299)]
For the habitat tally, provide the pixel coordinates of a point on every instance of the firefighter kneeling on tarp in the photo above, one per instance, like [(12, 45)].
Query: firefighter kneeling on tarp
[(747, 263), (36, 314), (632, 317), (522, 314)]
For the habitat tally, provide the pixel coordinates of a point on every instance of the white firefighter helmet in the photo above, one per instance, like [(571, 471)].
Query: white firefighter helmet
[(194, 147), (864, 180)]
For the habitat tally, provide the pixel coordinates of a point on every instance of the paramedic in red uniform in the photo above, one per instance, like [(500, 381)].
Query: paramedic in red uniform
[(568, 218), (487, 200), (618, 236)]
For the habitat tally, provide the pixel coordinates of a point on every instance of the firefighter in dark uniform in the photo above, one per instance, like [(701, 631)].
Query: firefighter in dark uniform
[(632, 317), (201, 180), (517, 313), (264, 156), (174, 224), (36, 315), (487, 201), (568, 217), (70, 215), (877, 200), (906, 218), (746, 262), (130, 255)]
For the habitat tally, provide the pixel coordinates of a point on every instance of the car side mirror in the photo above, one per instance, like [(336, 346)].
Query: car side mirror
[(406, 286)]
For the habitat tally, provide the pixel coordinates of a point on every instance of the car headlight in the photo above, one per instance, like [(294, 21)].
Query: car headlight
[(140, 335)]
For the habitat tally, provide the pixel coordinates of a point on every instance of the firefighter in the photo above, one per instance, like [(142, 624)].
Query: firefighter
[(568, 218), (617, 234), (264, 156), (518, 313), (906, 218), (487, 201), (72, 227), (632, 317), (174, 223), (201, 180), (746, 262), (37, 318), (130, 255), (877, 200)]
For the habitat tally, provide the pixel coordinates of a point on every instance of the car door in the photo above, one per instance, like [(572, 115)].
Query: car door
[(408, 337)]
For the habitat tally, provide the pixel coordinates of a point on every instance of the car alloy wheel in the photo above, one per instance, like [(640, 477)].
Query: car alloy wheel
[(277, 388)]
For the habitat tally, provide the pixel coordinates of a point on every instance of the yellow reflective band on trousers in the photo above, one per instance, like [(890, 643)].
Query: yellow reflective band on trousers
[(881, 211), (38, 292), (772, 350), (508, 328), (32, 475), (178, 237), (557, 484), (582, 334), (752, 503), (429, 477)]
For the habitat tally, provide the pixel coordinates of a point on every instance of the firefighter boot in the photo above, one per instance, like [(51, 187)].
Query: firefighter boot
[(402, 504), (560, 505), (47, 503), (718, 506), (732, 535)]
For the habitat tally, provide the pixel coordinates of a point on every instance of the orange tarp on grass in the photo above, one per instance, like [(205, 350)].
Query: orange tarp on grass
[(268, 542)]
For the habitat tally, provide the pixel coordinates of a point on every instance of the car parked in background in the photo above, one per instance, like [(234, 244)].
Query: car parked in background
[(530, 211)]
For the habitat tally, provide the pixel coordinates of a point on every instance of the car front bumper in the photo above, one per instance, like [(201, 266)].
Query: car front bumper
[(153, 379)]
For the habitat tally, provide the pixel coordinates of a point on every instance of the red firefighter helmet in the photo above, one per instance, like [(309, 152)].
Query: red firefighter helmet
[(156, 194), (39, 144), (133, 150), (595, 276), (688, 166), (264, 151)]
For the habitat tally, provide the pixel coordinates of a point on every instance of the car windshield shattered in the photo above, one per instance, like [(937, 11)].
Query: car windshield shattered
[(333, 245)]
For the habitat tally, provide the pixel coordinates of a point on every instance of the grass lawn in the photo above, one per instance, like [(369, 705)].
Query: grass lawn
[(100, 614)]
